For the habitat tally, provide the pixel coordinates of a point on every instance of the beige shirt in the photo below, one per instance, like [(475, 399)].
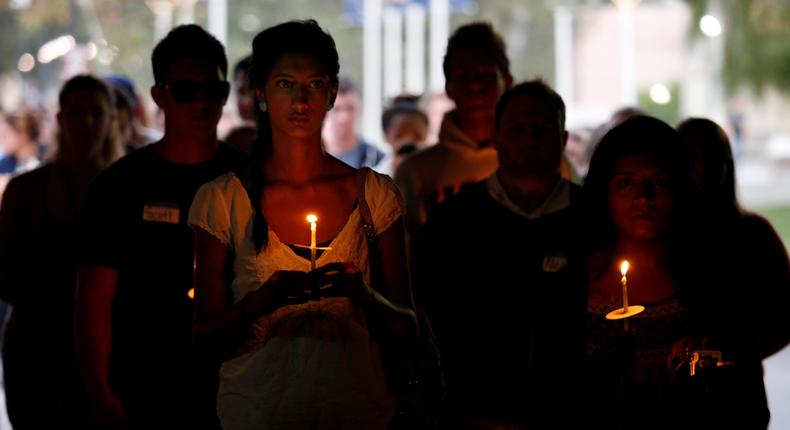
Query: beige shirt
[(432, 174)]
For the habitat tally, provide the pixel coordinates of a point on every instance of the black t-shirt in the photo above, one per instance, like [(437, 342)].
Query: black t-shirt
[(134, 221)]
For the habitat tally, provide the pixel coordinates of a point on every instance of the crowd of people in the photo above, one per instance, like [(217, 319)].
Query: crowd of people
[(292, 275)]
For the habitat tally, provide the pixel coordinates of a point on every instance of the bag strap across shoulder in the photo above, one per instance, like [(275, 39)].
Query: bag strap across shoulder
[(364, 210), (369, 230)]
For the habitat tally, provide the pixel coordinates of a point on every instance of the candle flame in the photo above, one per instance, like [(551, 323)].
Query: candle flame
[(312, 218), (624, 267)]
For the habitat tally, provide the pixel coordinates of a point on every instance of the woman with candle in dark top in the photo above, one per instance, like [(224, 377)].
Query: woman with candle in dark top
[(644, 207)]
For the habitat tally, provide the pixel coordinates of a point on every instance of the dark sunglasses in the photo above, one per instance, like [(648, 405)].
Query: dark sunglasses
[(190, 91)]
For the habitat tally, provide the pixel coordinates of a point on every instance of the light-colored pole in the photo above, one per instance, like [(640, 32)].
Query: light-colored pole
[(186, 12), (393, 48), (415, 48), (218, 20), (628, 89), (563, 52), (371, 69), (163, 17), (440, 30), (718, 101)]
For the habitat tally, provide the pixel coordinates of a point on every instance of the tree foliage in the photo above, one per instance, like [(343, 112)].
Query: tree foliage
[(757, 41)]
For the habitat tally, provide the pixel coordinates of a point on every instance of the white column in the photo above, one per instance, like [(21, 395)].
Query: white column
[(628, 90), (217, 24), (415, 48), (393, 48), (718, 101), (163, 17), (440, 30), (371, 69), (563, 52), (186, 12)]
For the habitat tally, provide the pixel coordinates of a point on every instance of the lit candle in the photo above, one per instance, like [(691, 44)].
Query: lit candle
[(624, 281), (626, 311), (312, 219)]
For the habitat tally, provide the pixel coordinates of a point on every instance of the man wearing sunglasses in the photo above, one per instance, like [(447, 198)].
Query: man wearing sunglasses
[(134, 312)]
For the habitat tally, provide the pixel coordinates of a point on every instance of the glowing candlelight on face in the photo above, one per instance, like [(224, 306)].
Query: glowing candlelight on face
[(624, 281), (312, 219)]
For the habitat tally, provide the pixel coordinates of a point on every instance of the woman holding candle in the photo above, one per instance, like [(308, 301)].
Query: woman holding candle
[(291, 362), (643, 207), (639, 206), (637, 193)]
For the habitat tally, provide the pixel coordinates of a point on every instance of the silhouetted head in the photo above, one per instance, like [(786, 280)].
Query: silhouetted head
[(188, 41), (476, 68), (530, 130), (713, 167), (85, 119)]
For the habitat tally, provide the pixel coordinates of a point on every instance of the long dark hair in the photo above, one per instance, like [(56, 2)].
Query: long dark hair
[(293, 37), (641, 135), (707, 140)]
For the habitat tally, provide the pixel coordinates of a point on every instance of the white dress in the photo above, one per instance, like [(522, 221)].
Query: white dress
[(313, 365)]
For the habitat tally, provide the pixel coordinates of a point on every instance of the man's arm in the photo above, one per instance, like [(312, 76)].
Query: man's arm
[(394, 305), (93, 336)]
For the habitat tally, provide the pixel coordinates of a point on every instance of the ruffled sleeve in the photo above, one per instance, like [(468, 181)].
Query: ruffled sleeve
[(384, 199), (210, 208)]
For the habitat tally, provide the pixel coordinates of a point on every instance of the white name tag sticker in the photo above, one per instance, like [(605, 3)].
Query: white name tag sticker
[(161, 212)]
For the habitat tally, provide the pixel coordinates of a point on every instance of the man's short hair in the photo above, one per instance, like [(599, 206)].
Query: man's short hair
[(402, 104), (478, 36), (125, 84), (346, 85), (188, 41), (538, 90)]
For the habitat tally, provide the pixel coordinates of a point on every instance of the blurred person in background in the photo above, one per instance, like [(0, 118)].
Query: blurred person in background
[(477, 72), (756, 254), (438, 104), (20, 140), (22, 152), (123, 125), (340, 138), (7, 162), (243, 135), (37, 267), (141, 133), (245, 98), (577, 152), (405, 127)]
